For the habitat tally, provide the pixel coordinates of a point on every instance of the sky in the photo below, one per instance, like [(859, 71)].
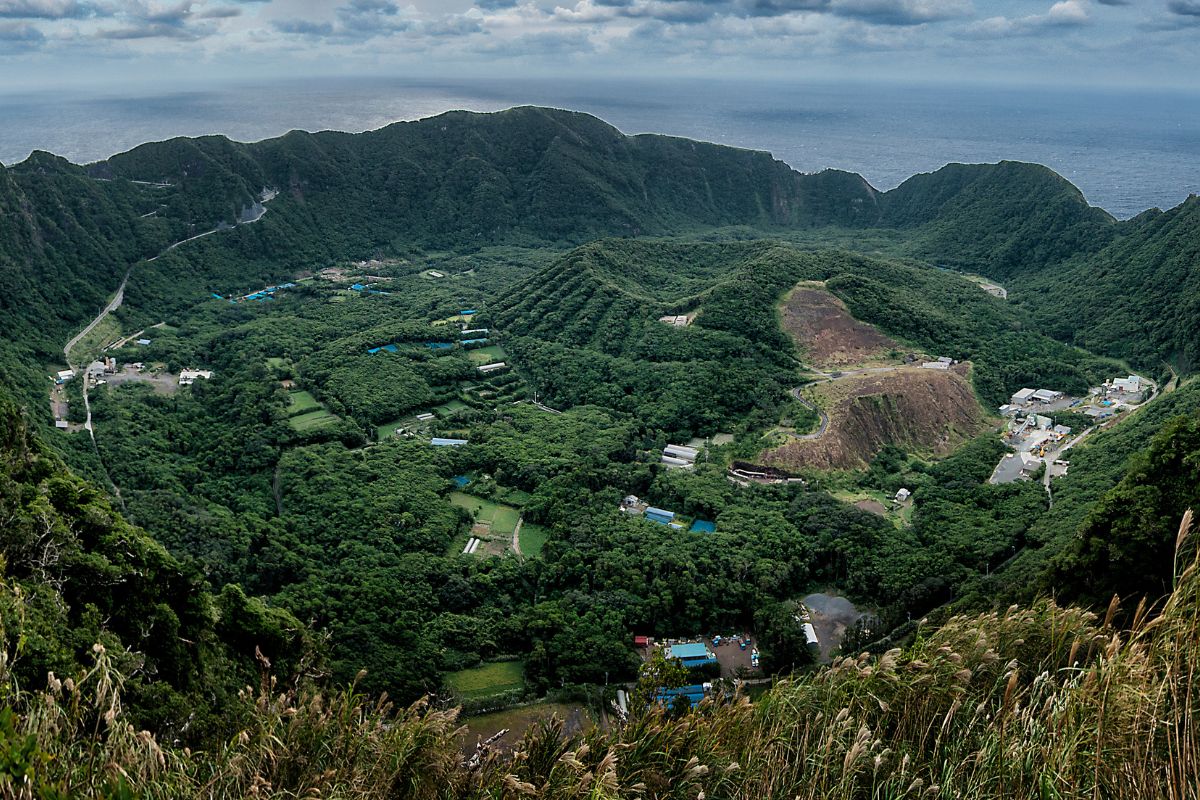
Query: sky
[(125, 43)]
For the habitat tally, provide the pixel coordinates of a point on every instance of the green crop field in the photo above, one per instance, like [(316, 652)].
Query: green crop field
[(302, 403), (451, 408), (502, 518), (488, 679), (388, 429), (533, 539), (505, 521), (312, 420), (486, 355)]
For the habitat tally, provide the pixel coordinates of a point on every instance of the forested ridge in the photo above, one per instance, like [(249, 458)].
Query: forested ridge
[(289, 516)]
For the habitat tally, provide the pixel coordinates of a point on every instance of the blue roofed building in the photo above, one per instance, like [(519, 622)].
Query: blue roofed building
[(659, 515), (439, 442), (358, 287), (695, 654), (694, 694)]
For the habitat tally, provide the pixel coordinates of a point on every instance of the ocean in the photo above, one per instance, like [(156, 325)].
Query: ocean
[(1127, 150)]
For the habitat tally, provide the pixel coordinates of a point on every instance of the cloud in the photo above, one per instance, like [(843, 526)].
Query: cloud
[(902, 12), (47, 9), (1063, 14), (144, 20), (18, 36), (1185, 8)]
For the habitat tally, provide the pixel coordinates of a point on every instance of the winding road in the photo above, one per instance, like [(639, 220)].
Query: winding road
[(119, 297), (829, 377)]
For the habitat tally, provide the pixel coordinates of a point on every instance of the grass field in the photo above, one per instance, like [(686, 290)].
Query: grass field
[(502, 518), (90, 346), (488, 679), (520, 719), (388, 429), (514, 497), (486, 355), (533, 539), (302, 403), (277, 362), (451, 408), (312, 421)]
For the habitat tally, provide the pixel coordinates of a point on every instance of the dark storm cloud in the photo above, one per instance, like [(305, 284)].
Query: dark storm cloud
[(1186, 8), (901, 12)]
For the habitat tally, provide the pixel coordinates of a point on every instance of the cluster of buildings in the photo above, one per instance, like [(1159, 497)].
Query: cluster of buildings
[(634, 506), (189, 376), (679, 456), (1026, 398)]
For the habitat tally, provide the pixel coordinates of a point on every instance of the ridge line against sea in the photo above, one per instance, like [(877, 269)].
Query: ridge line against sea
[(1127, 149)]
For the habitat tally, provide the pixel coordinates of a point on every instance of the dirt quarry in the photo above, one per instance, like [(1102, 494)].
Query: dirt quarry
[(826, 333), (931, 411)]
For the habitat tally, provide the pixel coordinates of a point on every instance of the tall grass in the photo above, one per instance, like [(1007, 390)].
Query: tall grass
[(1039, 702)]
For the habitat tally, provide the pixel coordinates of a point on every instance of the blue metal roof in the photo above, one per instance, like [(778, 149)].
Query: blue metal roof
[(437, 442), (660, 512), (695, 650), (358, 287)]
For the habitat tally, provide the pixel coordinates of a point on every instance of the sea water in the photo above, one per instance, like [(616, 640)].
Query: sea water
[(1127, 150)]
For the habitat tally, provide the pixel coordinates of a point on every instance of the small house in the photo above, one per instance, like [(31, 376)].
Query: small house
[(902, 495), (64, 375), (96, 370), (641, 641)]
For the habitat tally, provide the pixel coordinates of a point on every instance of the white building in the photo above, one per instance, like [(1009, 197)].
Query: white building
[(96, 370), (902, 495), (681, 452), (1022, 397), (1046, 395), (65, 375), (1130, 385), (486, 368), (939, 364), (189, 376)]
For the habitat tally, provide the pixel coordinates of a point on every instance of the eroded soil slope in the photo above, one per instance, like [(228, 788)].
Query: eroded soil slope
[(918, 409), (825, 332)]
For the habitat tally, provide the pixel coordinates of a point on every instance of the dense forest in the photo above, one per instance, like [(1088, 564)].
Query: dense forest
[(497, 284)]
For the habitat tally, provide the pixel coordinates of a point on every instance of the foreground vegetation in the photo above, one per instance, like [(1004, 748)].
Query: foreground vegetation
[(1037, 702)]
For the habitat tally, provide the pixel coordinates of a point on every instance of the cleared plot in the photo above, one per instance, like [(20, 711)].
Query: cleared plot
[(277, 362), (501, 518), (520, 719), (312, 421), (487, 355), (533, 539), (487, 679), (826, 332), (302, 403)]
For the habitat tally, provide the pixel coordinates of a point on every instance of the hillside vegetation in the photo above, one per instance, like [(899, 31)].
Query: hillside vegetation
[(287, 543)]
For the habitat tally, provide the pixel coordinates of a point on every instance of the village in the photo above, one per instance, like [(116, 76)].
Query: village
[(1038, 441)]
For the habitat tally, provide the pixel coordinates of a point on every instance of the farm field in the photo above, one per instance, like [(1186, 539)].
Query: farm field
[(533, 539), (388, 429), (487, 355), (450, 408), (502, 519), (312, 420), (302, 403), (487, 679)]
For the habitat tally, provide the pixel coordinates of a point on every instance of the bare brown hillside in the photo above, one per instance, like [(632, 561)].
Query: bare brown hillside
[(918, 409), (826, 333)]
